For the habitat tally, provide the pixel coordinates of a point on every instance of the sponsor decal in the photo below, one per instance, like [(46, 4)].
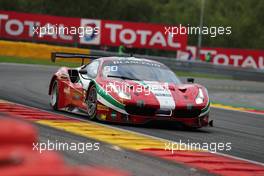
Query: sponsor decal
[(134, 61), (113, 115), (162, 95), (94, 36), (102, 116), (76, 96), (101, 107)]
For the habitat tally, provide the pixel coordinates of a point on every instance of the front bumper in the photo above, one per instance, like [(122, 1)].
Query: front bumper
[(190, 118)]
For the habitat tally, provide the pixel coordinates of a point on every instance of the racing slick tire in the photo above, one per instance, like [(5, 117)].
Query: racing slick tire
[(91, 102), (54, 96)]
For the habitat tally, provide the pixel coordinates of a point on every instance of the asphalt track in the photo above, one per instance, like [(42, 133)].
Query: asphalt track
[(28, 85)]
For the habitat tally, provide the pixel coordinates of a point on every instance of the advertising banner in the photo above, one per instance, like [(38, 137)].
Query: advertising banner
[(226, 56), (140, 35), (22, 26), (36, 27)]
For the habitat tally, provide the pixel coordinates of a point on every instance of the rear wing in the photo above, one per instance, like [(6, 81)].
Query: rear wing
[(55, 55)]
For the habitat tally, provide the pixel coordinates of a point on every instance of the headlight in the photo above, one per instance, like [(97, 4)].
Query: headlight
[(200, 97), (119, 91)]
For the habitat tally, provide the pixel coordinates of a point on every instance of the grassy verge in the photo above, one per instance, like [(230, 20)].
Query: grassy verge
[(201, 75), (5, 59)]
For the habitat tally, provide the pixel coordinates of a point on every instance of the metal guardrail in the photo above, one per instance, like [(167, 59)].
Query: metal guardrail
[(236, 73)]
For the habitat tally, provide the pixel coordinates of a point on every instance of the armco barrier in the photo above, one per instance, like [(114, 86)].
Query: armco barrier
[(199, 67), (33, 50), (42, 51)]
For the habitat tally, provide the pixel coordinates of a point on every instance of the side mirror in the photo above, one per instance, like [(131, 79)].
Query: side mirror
[(190, 80), (83, 71)]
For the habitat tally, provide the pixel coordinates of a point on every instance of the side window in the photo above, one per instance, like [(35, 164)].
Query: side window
[(92, 69)]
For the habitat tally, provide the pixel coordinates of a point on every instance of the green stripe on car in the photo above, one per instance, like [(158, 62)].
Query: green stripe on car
[(108, 97)]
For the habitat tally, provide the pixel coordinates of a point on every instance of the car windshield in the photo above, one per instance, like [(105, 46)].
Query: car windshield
[(139, 70)]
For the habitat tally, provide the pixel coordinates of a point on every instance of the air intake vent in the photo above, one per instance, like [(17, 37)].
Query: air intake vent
[(163, 112)]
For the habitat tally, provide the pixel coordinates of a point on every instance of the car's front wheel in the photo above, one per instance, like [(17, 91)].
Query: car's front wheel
[(92, 102), (54, 96)]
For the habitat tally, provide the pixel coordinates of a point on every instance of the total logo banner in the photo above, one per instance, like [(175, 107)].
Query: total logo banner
[(140, 35), (226, 56), (25, 26)]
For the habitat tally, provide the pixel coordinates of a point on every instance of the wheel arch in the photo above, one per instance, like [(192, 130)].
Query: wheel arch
[(92, 83), (54, 78)]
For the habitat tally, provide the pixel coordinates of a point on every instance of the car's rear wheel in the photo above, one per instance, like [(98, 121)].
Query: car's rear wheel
[(54, 96), (92, 102)]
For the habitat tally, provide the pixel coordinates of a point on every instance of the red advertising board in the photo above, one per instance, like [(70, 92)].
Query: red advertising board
[(140, 35), (23, 26), (235, 57), (227, 56)]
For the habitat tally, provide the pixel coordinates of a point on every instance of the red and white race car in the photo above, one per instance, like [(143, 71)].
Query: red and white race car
[(127, 90)]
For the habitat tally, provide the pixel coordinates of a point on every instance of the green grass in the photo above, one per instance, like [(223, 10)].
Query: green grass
[(7, 59), (202, 75)]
